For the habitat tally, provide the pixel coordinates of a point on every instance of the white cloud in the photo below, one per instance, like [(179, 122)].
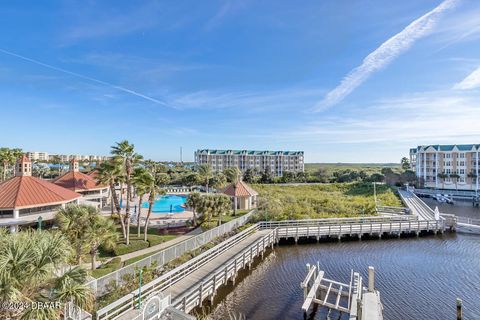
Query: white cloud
[(472, 81), (385, 54), (422, 118)]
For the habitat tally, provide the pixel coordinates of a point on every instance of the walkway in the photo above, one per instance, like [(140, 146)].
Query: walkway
[(197, 277), (417, 206)]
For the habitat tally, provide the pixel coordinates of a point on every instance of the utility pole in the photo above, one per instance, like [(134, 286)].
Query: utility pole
[(181, 155), (375, 193)]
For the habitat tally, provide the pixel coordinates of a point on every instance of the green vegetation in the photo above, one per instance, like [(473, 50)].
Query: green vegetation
[(8, 157), (281, 202), (87, 230), (28, 265), (112, 265)]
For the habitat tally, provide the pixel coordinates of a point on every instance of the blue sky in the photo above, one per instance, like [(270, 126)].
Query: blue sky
[(345, 81)]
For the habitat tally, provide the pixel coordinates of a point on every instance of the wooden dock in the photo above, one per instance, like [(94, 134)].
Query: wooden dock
[(354, 299), (198, 279)]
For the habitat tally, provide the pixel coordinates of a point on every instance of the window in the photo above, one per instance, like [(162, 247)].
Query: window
[(461, 171), (462, 155), (448, 156)]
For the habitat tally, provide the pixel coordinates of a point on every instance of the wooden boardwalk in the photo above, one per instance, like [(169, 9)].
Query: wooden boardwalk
[(202, 283), (416, 205), (198, 279)]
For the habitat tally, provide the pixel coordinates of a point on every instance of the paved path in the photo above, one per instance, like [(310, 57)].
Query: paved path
[(196, 277), (417, 206)]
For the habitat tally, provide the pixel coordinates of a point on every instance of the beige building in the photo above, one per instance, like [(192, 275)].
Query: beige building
[(458, 166), (45, 156), (276, 161), (38, 156)]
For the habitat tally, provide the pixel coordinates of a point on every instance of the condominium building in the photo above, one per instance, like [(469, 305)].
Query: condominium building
[(38, 156), (447, 166), (45, 156), (277, 162)]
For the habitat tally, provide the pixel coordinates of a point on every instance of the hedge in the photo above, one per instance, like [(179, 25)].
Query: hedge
[(134, 245)]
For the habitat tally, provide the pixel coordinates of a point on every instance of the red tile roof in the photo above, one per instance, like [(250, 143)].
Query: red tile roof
[(27, 191), (78, 181), (241, 189)]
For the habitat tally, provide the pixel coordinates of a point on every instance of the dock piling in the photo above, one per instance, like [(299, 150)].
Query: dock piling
[(459, 309)]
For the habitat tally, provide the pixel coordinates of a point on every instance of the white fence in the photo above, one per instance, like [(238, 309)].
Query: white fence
[(99, 286)]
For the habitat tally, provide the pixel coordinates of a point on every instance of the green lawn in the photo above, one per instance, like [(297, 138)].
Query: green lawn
[(282, 202)]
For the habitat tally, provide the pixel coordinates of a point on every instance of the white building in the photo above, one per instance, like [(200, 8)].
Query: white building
[(277, 162)]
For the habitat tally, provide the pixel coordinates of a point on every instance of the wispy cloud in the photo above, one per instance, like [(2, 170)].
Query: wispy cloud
[(429, 117), (385, 54), (472, 81), (87, 78), (248, 100), (228, 7)]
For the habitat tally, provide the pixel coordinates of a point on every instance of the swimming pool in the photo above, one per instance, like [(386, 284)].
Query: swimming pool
[(168, 204)]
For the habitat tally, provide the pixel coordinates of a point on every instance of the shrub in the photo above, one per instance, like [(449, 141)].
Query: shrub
[(112, 265), (134, 245)]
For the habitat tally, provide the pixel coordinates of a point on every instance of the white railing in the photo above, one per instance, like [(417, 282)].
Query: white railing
[(296, 231), (163, 282), (99, 285), (208, 286), (331, 221)]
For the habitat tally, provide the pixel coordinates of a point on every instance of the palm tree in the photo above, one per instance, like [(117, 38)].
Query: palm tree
[(194, 201), (28, 264), (221, 205), (110, 173), (455, 176), (124, 153), (205, 173), (473, 176), (72, 222), (443, 176), (86, 229), (233, 176), (7, 158), (219, 181), (100, 231), (153, 189), (141, 181)]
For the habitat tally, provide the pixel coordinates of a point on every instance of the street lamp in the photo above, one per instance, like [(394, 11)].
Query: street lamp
[(39, 223), (140, 290)]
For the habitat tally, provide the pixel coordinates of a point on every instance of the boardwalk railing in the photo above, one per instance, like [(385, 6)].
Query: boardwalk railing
[(331, 221), (208, 286), (99, 286), (392, 227), (163, 282)]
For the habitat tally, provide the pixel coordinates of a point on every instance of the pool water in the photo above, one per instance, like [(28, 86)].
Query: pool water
[(168, 204)]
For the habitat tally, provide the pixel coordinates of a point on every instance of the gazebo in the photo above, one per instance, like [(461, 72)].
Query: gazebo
[(24, 199), (243, 196)]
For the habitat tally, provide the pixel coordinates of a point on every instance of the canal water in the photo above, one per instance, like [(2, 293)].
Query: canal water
[(417, 278)]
